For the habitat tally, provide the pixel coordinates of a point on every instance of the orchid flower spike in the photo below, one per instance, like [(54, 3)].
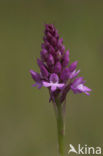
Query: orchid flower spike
[(56, 72)]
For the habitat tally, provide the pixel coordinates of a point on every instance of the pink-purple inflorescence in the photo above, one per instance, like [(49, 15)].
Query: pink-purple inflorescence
[(55, 72)]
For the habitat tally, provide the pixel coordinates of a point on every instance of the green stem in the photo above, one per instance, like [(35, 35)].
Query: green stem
[(60, 129)]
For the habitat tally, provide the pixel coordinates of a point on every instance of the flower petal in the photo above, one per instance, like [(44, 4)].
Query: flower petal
[(60, 85), (53, 88), (81, 88), (58, 67), (65, 75), (44, 72), (74, 74), (46, 84), (73, 66), (35, 75), (37, 84), (66, 59)]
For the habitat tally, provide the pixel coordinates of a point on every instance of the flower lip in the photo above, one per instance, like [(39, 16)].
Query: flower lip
[(54, 83), (78, 86)]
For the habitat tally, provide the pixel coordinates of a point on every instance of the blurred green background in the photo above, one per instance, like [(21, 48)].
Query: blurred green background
[(27, 120)]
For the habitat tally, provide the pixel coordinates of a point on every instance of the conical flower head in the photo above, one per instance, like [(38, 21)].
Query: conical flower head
[(55, 72)]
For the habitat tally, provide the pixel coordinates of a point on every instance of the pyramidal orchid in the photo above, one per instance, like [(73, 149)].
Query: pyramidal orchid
[(58, 75)]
